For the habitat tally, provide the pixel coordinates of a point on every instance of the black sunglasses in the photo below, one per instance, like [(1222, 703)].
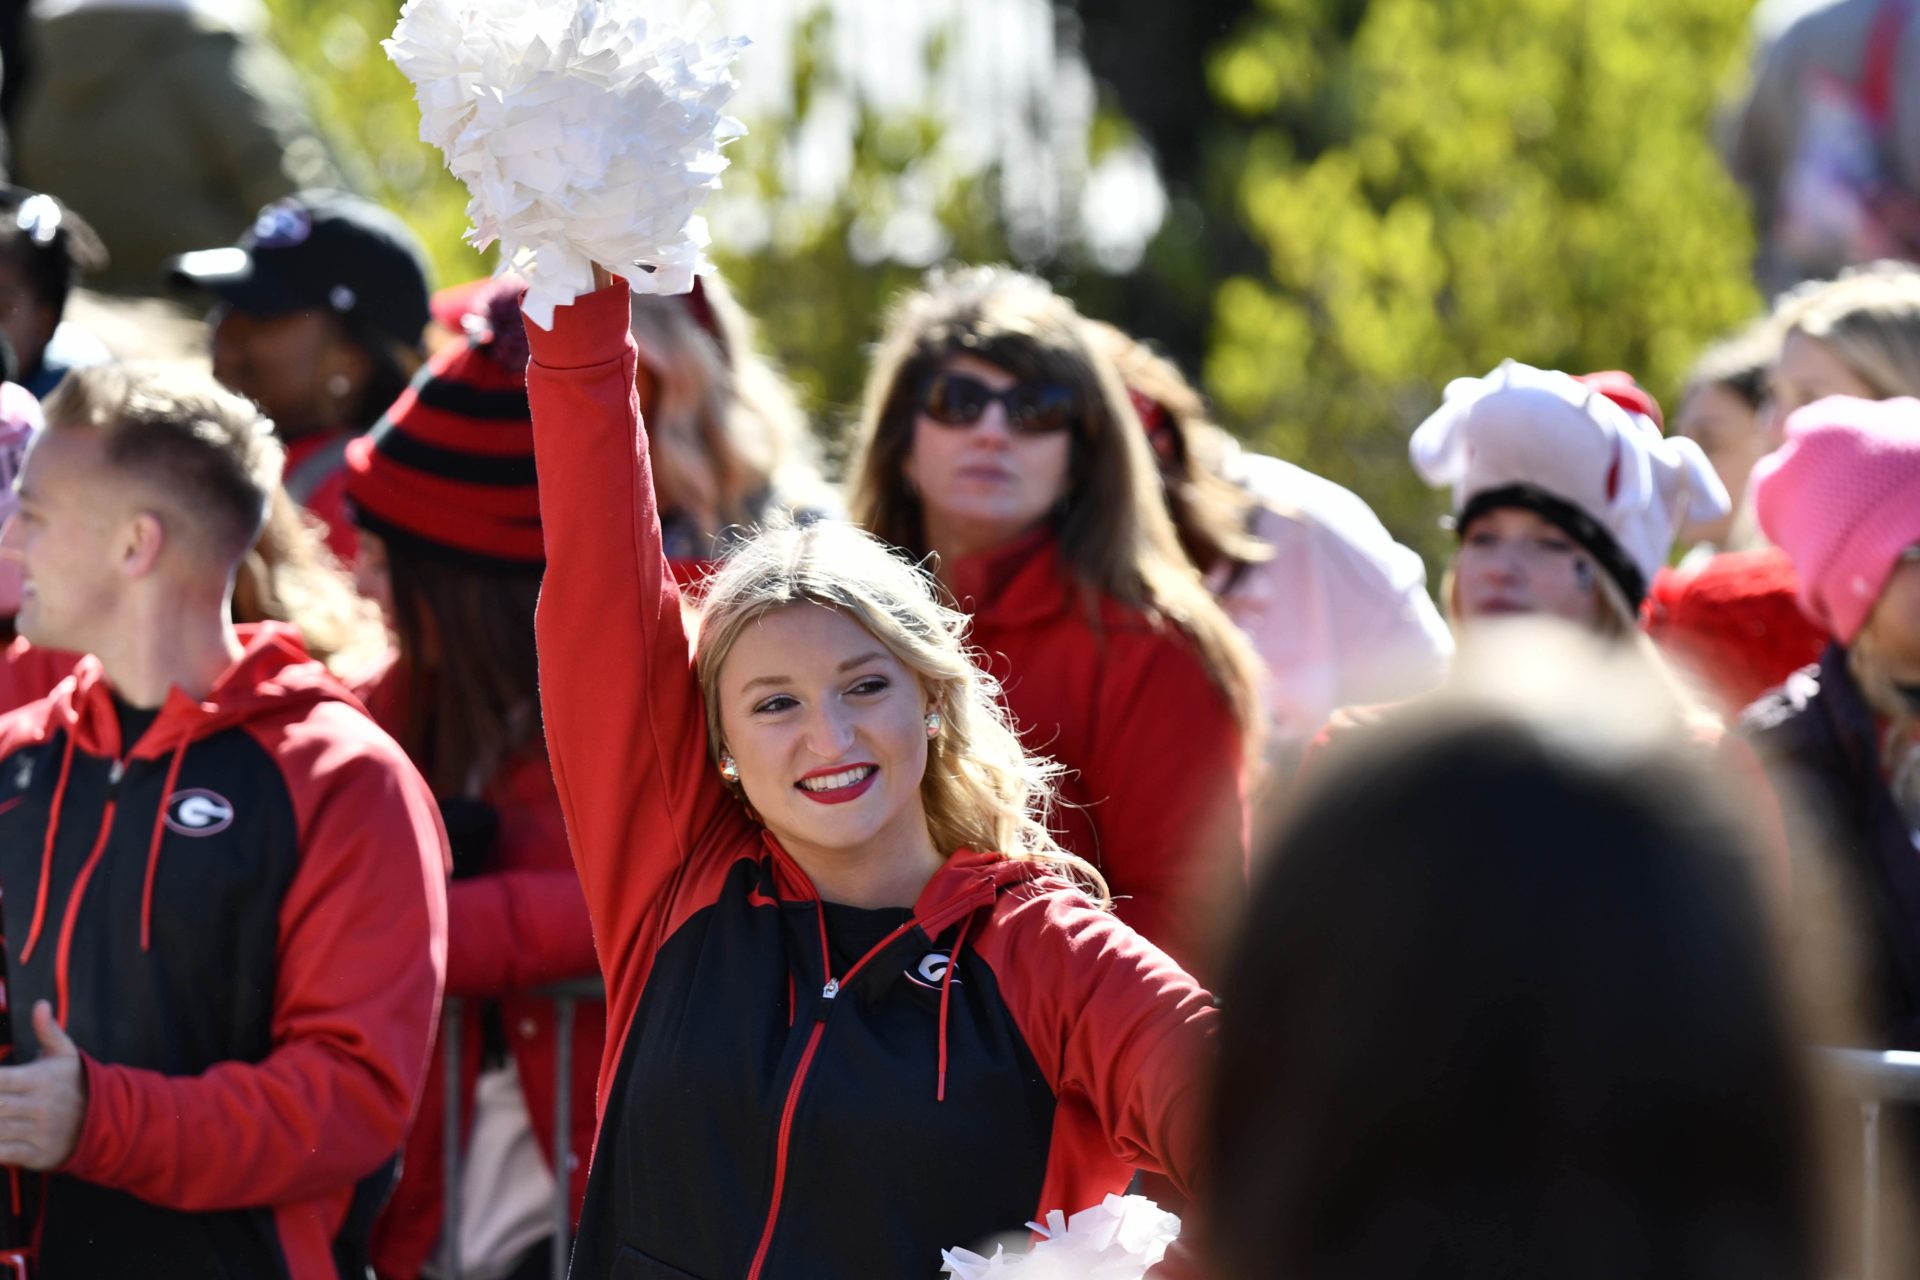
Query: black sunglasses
[(1032, 408)]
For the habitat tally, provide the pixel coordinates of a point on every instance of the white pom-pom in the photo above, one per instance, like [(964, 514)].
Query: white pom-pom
[(584, 132), (1118, 1239)]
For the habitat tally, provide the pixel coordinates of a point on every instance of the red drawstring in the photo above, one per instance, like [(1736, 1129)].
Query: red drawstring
[(153, 847), (946, 979), (826, 956), (946, 986), (46, 854)]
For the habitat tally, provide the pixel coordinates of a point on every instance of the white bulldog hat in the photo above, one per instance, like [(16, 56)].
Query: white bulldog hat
[(1543, 441)]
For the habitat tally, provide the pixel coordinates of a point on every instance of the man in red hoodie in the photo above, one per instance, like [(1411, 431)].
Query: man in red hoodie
[(225, 920)]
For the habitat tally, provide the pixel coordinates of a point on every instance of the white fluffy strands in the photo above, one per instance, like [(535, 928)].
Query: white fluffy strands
[(1119, 1239), (583, 131)]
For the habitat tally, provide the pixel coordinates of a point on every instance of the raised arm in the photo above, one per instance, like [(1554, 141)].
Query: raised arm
[(625, 725)]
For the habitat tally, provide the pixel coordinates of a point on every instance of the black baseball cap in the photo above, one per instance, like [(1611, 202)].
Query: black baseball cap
[(323, 249)]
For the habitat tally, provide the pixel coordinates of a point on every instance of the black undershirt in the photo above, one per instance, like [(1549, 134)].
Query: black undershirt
[(854, 931), (134, 721)]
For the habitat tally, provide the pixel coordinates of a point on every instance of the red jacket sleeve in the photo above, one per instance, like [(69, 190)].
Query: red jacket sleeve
[(511, 930), (1112, 1022), (1168, 799), (524, 923), (361, 953), (625, 722)]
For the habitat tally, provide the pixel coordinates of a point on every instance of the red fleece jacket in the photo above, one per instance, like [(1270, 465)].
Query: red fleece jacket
[(241, 920), (1156, 798)]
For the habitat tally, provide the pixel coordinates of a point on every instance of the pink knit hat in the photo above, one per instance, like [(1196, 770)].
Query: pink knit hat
[(1842, 498)]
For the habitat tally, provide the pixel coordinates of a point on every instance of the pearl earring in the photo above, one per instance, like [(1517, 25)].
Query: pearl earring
[(338, 386), (728, 769), (934, 724)]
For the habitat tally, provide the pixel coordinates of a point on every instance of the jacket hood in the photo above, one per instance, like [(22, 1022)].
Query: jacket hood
[(971, 880), (273, 676), (968, 881)]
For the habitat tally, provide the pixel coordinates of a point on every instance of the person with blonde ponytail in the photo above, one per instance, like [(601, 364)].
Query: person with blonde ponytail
[(997, 441), (861, 1007)]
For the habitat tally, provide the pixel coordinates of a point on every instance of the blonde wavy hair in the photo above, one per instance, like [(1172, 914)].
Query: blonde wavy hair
[(289, 575), (982, 789), (1869, 317)]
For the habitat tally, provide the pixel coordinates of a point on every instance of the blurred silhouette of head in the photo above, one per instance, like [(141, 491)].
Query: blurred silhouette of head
[(1506, 1005)]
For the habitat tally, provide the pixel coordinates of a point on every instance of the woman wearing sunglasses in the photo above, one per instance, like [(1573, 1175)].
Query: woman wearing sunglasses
[(858, 1010), (996, 440)]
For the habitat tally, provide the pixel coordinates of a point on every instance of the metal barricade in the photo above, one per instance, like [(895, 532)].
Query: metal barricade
[(1874, 1078), (566, 998)]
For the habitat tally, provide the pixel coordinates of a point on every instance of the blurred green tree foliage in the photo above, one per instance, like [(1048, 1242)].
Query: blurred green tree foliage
[(366, 108), (815, 273), (1441, 186), (1373, 197), (818, 274)]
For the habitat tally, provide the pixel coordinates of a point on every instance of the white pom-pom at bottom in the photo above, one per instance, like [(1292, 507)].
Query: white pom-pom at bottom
[(1117, 1239)]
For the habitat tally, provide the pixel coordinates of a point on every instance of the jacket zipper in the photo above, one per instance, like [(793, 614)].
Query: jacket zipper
[(828, 994), (65, 943)]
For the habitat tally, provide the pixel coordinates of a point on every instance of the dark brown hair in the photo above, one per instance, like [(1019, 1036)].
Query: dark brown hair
[(1508, 1005), (1213, 515), (466, 649), (52, 249), (1114, 532)]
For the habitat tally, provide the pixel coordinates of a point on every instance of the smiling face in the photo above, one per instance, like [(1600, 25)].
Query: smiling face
[(828, 731), (982, 485), (1513, 562)]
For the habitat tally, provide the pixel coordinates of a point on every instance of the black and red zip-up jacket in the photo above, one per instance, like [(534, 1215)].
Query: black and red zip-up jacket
[(765, 1111), (240, 919)]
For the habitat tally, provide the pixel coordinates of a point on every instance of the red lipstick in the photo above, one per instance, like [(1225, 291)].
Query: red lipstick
[(864, 774)]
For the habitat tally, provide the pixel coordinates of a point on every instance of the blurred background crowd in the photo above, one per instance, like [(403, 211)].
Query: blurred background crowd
[(1637, 280)]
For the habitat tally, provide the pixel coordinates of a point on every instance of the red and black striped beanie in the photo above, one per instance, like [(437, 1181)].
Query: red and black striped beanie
[(449, 470)]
